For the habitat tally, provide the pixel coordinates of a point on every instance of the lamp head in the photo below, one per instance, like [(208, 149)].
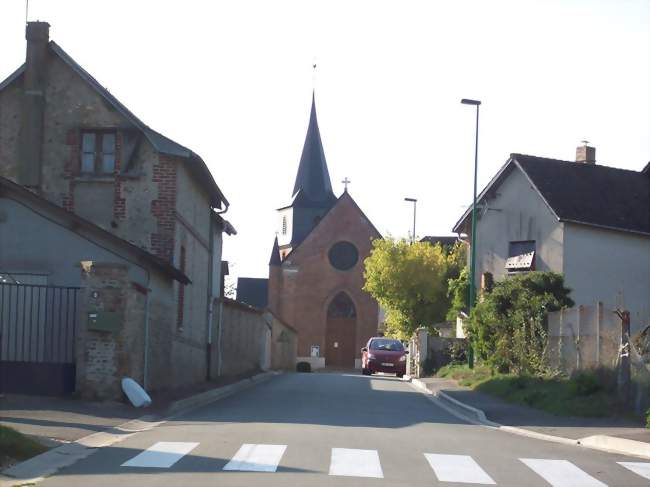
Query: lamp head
[(467, 101)]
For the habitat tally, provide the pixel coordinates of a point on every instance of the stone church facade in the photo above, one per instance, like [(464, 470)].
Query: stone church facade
[(316, 267)]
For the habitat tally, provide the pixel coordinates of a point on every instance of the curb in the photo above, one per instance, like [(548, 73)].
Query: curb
[(204, 398), (41, 466), (609, 444)]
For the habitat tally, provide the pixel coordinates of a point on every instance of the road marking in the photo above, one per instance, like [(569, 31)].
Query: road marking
[(458, 468), (256, 458), (639, 468), (163, 454), (561, 473), (349, 462)]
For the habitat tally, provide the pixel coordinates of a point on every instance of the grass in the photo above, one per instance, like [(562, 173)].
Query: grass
[(584, 395), (16, 446)]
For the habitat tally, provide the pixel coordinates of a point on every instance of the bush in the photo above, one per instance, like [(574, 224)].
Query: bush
[(303, 367), (647, 419), (508, 327), (585, 384), (457, 352)]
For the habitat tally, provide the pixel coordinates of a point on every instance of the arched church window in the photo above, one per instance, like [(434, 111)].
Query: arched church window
[(341, 307), (343, 256), (284, 225)]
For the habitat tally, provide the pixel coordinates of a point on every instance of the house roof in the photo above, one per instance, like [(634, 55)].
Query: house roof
[(313, 179), (162, 144), (253, 291), (86, 228), (587, 194)]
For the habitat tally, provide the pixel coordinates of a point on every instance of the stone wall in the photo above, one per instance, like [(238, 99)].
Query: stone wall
[(242, 339), (284, 344)]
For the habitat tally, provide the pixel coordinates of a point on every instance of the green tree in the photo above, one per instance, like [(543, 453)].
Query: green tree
[(458, 294), (410, 283), (508, 327)]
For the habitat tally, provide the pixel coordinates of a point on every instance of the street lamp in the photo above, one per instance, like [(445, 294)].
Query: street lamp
[(415, 203), (472, 269)]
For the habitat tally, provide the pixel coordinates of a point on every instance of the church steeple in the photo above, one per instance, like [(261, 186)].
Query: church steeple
[(313, 178)]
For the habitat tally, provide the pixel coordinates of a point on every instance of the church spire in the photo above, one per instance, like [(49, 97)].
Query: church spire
[(313, 178), (275, 254)]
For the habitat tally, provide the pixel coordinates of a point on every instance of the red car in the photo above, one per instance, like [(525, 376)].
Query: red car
[(383, 355)]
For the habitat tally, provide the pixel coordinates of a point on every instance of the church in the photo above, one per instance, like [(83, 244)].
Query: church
[(316, 266)]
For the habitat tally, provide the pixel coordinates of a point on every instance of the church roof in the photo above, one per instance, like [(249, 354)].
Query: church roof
[(313, 178), (253, 291)]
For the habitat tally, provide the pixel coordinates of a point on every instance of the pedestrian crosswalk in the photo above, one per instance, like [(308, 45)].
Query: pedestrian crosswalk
[(352, 462)]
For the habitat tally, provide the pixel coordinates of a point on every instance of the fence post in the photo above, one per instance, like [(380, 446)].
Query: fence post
[(599, 316)]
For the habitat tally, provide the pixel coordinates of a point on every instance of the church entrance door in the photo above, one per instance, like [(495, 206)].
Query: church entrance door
[(341, 334)]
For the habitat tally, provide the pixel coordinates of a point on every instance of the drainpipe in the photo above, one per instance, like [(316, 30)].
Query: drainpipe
[(219, 358), (145, 368), (208, 347)]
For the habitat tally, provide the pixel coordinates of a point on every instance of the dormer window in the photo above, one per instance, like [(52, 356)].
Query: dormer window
[(98, 150)]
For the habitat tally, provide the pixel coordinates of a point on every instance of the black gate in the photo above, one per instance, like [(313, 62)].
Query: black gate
[(37, 336)]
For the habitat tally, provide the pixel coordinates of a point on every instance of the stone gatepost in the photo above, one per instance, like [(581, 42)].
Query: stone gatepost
[(110, 339)]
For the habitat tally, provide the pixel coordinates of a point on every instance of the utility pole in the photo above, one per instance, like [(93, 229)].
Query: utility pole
[(472, 270)]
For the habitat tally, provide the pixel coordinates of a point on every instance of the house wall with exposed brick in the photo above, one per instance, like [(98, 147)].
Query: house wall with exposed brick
[(301, 289)]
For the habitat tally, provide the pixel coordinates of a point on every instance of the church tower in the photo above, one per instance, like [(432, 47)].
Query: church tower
[(316, 266), (312, 193)]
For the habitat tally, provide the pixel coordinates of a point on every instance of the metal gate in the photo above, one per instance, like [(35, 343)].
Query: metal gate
[(37, 337)]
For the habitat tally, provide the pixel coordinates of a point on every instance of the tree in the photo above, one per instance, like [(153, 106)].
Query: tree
[(458, 294), (410, 282), (508, 327)]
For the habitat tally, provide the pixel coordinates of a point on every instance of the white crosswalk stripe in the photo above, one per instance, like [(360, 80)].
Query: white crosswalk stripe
[(349, 462), (256, 458), (163, 454), (458, 468), (639, 468), (561, 473)]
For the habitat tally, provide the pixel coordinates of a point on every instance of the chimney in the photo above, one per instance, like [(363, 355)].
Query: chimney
[(585, 153), (30, 148)]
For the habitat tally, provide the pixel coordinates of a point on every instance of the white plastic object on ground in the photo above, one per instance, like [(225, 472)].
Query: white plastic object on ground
[(136, 394)]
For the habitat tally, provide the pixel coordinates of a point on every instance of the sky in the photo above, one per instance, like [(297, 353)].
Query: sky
[(233, 81)]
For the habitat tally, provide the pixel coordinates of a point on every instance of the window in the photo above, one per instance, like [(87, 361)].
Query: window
[(521, 256), (386, 344), (284, 225), (343, 256), (98, 152), (180, 306)]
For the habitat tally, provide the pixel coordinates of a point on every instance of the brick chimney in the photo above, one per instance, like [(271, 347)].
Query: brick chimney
[(585, 153), (30, 148)]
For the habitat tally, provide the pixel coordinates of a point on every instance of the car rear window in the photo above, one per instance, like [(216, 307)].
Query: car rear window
[(386, 344)]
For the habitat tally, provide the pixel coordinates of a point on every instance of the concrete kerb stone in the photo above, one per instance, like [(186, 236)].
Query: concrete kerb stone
[(204, 398), (609, 444), (41, 466)]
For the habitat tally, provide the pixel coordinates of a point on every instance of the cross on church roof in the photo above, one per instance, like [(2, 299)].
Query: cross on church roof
[(346, 181)]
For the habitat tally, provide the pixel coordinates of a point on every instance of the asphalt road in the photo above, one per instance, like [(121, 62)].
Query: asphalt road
[(337, 430)]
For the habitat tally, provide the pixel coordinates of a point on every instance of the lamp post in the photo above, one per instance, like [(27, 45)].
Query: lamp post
[(472, 269), (415, 203)]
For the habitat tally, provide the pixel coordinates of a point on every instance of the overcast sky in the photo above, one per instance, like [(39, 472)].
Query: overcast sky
[(233, 81)]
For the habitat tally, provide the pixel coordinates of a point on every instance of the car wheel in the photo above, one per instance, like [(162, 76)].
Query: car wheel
[(365, 371), (399, 375)]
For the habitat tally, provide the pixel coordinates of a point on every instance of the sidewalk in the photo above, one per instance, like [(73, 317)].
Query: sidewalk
[(56, 420), (515, 415)]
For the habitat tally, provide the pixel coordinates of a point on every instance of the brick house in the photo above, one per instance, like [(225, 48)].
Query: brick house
[(316, 266), (70, 142)]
